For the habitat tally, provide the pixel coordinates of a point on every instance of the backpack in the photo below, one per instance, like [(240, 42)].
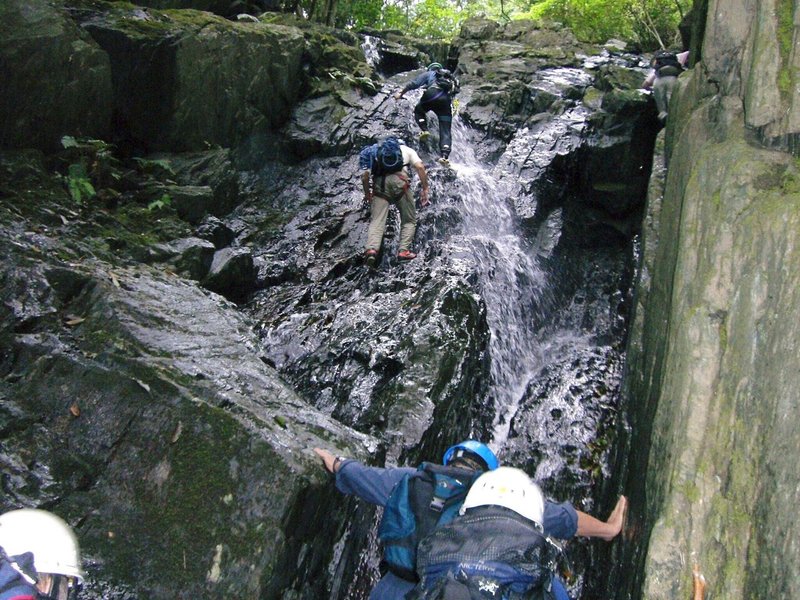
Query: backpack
[(419, 503), (446, 81), (388, 158), (490, 552), (666, 63)]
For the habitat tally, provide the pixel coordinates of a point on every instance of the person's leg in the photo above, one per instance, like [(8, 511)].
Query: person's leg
[(379, 210), (420, 116), (408, 219), (662, 92), (444, 113)]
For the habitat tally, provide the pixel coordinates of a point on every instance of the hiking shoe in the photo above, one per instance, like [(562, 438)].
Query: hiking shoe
[(371, 257), (424, 136), (444, 161), (406, 255)]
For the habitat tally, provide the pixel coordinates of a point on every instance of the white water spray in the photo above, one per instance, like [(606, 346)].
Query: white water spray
[(512, 282)]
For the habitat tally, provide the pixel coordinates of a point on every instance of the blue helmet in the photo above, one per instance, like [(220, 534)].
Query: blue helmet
[(434, 66), (474, 447)]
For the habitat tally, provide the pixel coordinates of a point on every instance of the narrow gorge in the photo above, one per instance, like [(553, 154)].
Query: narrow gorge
[(606, 301)]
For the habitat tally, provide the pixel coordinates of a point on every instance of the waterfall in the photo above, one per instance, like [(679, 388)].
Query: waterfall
[(371, 46), (517, 291), (511, 281)]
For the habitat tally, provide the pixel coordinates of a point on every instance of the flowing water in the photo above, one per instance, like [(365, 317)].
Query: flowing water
[(371, 48), (517, 290)]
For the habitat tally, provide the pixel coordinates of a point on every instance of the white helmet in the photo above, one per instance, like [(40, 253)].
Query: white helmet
[(508, 487), (54, 545)]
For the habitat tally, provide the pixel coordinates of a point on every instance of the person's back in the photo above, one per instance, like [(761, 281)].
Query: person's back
[(386, 181), (421, 502), (440, 86), (666, 65), (495, 549)]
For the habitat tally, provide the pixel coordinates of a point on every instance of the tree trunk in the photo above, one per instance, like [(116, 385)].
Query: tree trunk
[(330, 12)]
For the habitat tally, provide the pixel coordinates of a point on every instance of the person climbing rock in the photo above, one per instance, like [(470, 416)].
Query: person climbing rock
[(441, 86), (39, 557), (385, 179), (495, 548), (393, 488), (666, 66)]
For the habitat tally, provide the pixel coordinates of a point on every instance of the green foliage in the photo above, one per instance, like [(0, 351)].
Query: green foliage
[(78, 183), (651, 23), (92, 165), (100, 150), (163, 202), (158, 168)]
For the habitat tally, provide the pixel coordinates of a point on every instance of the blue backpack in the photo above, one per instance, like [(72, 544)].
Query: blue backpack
[(489, 553), (419, 503), (388, 158)]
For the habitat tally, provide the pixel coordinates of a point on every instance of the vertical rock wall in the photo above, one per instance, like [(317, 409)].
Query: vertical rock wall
[(712, 375)]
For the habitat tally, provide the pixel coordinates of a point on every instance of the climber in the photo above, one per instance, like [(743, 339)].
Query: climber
[(386, 164), (463, 462), (39, 557), (441, 86), (495, 548), (666, 66)]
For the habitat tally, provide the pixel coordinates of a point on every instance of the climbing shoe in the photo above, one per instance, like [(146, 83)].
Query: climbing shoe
[(406, 255), (424, 136), (371, 257)]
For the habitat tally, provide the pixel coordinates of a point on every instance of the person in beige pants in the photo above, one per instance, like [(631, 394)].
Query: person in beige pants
[(380, 191)]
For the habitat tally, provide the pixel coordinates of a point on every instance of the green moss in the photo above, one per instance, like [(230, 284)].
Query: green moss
[(191, 508), (785, 10), (790, 182), (690, 491)]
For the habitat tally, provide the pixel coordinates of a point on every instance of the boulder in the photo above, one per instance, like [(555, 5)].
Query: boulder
[(191, 202), (157, 427), (212, 168), (216, 232), (61, 73), (190, 256), (232, 273), (186, 79)]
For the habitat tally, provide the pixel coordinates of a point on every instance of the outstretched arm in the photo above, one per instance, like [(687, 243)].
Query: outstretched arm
[(588, 526), (418, 82), (373, 484)]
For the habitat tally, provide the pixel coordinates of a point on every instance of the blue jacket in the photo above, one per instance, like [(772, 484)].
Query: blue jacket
[(375, 484), (13, 585), (426, 79)]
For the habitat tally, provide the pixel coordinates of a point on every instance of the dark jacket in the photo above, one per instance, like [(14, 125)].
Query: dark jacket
[(375, 484), (13, 585)]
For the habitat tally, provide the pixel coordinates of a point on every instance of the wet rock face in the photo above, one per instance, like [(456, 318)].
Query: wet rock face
[(138, 404), (708, 358), (507, 326), (512, 320), (61, 72)]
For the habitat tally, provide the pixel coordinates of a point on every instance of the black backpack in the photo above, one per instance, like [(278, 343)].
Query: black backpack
[(389, 157), (420, 502), (666, 63), (446, 81), (490, 552)]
